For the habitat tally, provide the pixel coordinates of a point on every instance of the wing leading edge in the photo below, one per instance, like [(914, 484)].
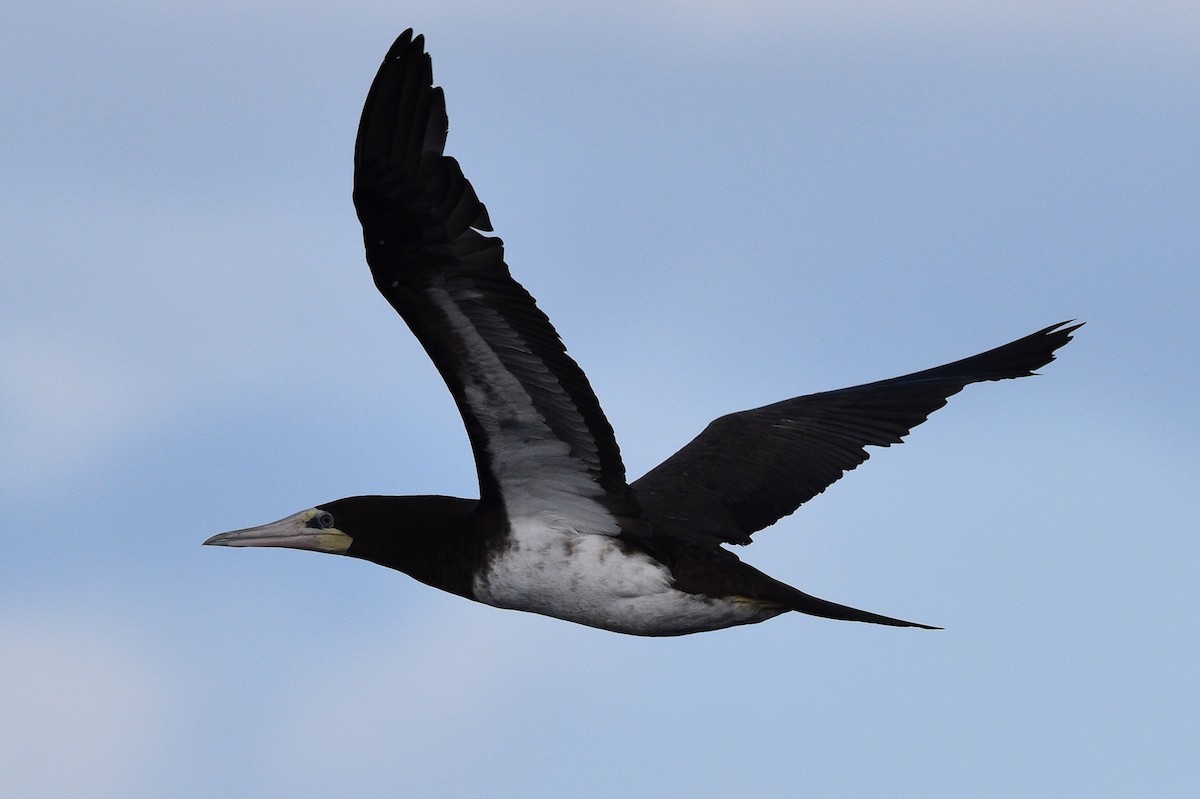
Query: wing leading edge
[(747, 470), (536, 428)]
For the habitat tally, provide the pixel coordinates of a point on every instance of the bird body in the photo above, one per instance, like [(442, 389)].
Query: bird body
[(557, 529), (601, 581)]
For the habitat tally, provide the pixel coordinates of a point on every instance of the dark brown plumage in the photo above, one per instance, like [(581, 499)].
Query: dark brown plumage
[(747, 470), (557, 530)]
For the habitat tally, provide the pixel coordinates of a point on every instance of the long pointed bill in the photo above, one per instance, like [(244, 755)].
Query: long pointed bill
[(293, 532)]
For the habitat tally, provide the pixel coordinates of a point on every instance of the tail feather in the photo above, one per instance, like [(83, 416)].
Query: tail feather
[(814, 606)]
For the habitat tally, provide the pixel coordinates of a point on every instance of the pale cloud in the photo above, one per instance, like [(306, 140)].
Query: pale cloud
[(1148, 29), (64, 403), (365, 701), (1142, 33), (1142, 30), (80, 706)]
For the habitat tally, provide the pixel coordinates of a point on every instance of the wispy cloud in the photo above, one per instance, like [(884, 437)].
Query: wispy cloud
[(82, 705), (63, 403)]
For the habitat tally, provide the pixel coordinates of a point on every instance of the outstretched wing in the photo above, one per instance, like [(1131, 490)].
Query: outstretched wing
[(536, 428), (747, 470)]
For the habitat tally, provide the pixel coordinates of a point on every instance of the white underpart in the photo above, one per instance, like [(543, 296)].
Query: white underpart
[(594, 580), (563, 558), (535, 470)]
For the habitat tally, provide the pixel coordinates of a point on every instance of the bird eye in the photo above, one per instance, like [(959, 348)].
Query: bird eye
[(324, 520)]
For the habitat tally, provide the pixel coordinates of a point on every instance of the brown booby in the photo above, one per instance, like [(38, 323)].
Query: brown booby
[(557, 528)]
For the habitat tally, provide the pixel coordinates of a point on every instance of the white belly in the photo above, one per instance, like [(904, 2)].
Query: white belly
[(595, 580)]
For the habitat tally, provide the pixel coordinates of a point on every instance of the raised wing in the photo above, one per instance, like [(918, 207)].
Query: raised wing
[(747, 470), (539, 436)]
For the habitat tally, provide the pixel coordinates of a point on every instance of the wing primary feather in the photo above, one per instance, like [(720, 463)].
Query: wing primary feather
[(514, 384), (749, 469)]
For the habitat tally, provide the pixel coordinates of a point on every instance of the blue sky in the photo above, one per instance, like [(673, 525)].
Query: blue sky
[(719, 205)]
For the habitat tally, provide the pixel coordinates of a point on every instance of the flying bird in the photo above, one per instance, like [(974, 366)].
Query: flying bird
[(557, 528)]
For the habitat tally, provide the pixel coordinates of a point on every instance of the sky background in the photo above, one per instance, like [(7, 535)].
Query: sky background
[(720, 205)]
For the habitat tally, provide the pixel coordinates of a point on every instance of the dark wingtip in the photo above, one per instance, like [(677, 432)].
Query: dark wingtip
[(1061, 330), (1052, 339), (1018, 358), (404, 40), (1039, 347)]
